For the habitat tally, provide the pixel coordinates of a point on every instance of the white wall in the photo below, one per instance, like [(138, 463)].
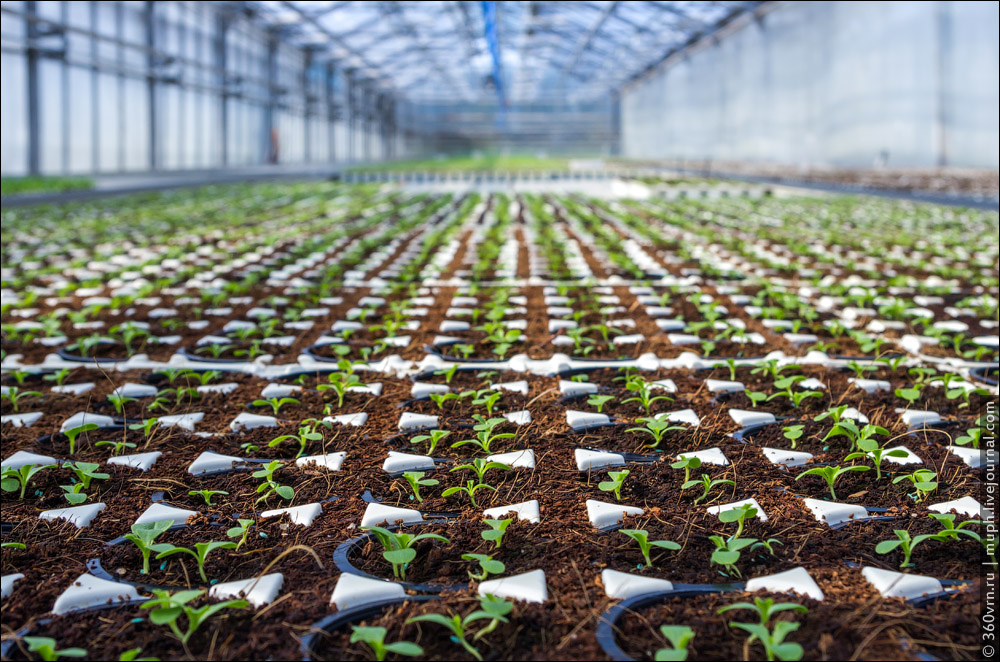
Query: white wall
[(830, 83)]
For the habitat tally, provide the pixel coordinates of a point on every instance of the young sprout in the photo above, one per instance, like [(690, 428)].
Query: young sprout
[(924, 481), (656, 428), (306, 434), (488, 398), (459, 627), (241, 531), (643, 393), (14, 395), (972, 436), (687, 464), (615, 484), (275, 403), (143, 536), (73, 433), (206, 495), (398, 547), (487, 565), (679, 637), (45, 648), (416, 481), (484, 434), (340, 383), (270, 485), (374, 638), (199, 553), (479, 466), (85, 472), (905, 543), (641, 537), (793, 433), (59, 377), (911, 394), (147, 426), (119, 401), (496, 530), (13, 545), (870, 449), (598, 401), (707, 485), (441, 398), (755, 397), (765, 608), (773, 641), (167, 608), (117, 447), (831, 474), (12, 479), (434, 438), (448, 373)]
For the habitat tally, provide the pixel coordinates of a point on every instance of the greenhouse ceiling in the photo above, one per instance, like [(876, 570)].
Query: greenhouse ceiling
[(512, 51)]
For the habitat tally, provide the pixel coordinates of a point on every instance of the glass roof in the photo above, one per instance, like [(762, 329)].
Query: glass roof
[(548, 51)]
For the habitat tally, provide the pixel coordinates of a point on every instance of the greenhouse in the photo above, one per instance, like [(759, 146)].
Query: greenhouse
[(515, 330)]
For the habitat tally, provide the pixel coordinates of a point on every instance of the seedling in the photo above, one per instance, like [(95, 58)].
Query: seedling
[(433, 438), (687, 464), (12, 479), (679, 637), (143, 536), (755, 397), (241, 531), (14, 395), (275, 403), (73, 433), (270, 485), (206, 495), (488, 398), (459, 627), (910, 395), (641, 537), (871, 450), (45, 648), (643, 393), (480, 467), (398, 547), (374, 638), (765, 608), (416, 480), (441, 398), (306, 434), (85, 472), (448, 373), (487, 565), (147, 426), (793, 433), (972, 436), (707, 485), (199, 553), (496, 530), (166, 609), (656, 428), (775, 646), (117, 447), (484, 434), (831, 474), (905, 543), (119, 401), (727, 552), (615, 484), (598, 401), (924, 481)]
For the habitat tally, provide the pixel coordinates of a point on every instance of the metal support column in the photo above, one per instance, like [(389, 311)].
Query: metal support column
[(269, 108), (331, 112), (149, 17), (34, 132), (219, 62), (352, 95)]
